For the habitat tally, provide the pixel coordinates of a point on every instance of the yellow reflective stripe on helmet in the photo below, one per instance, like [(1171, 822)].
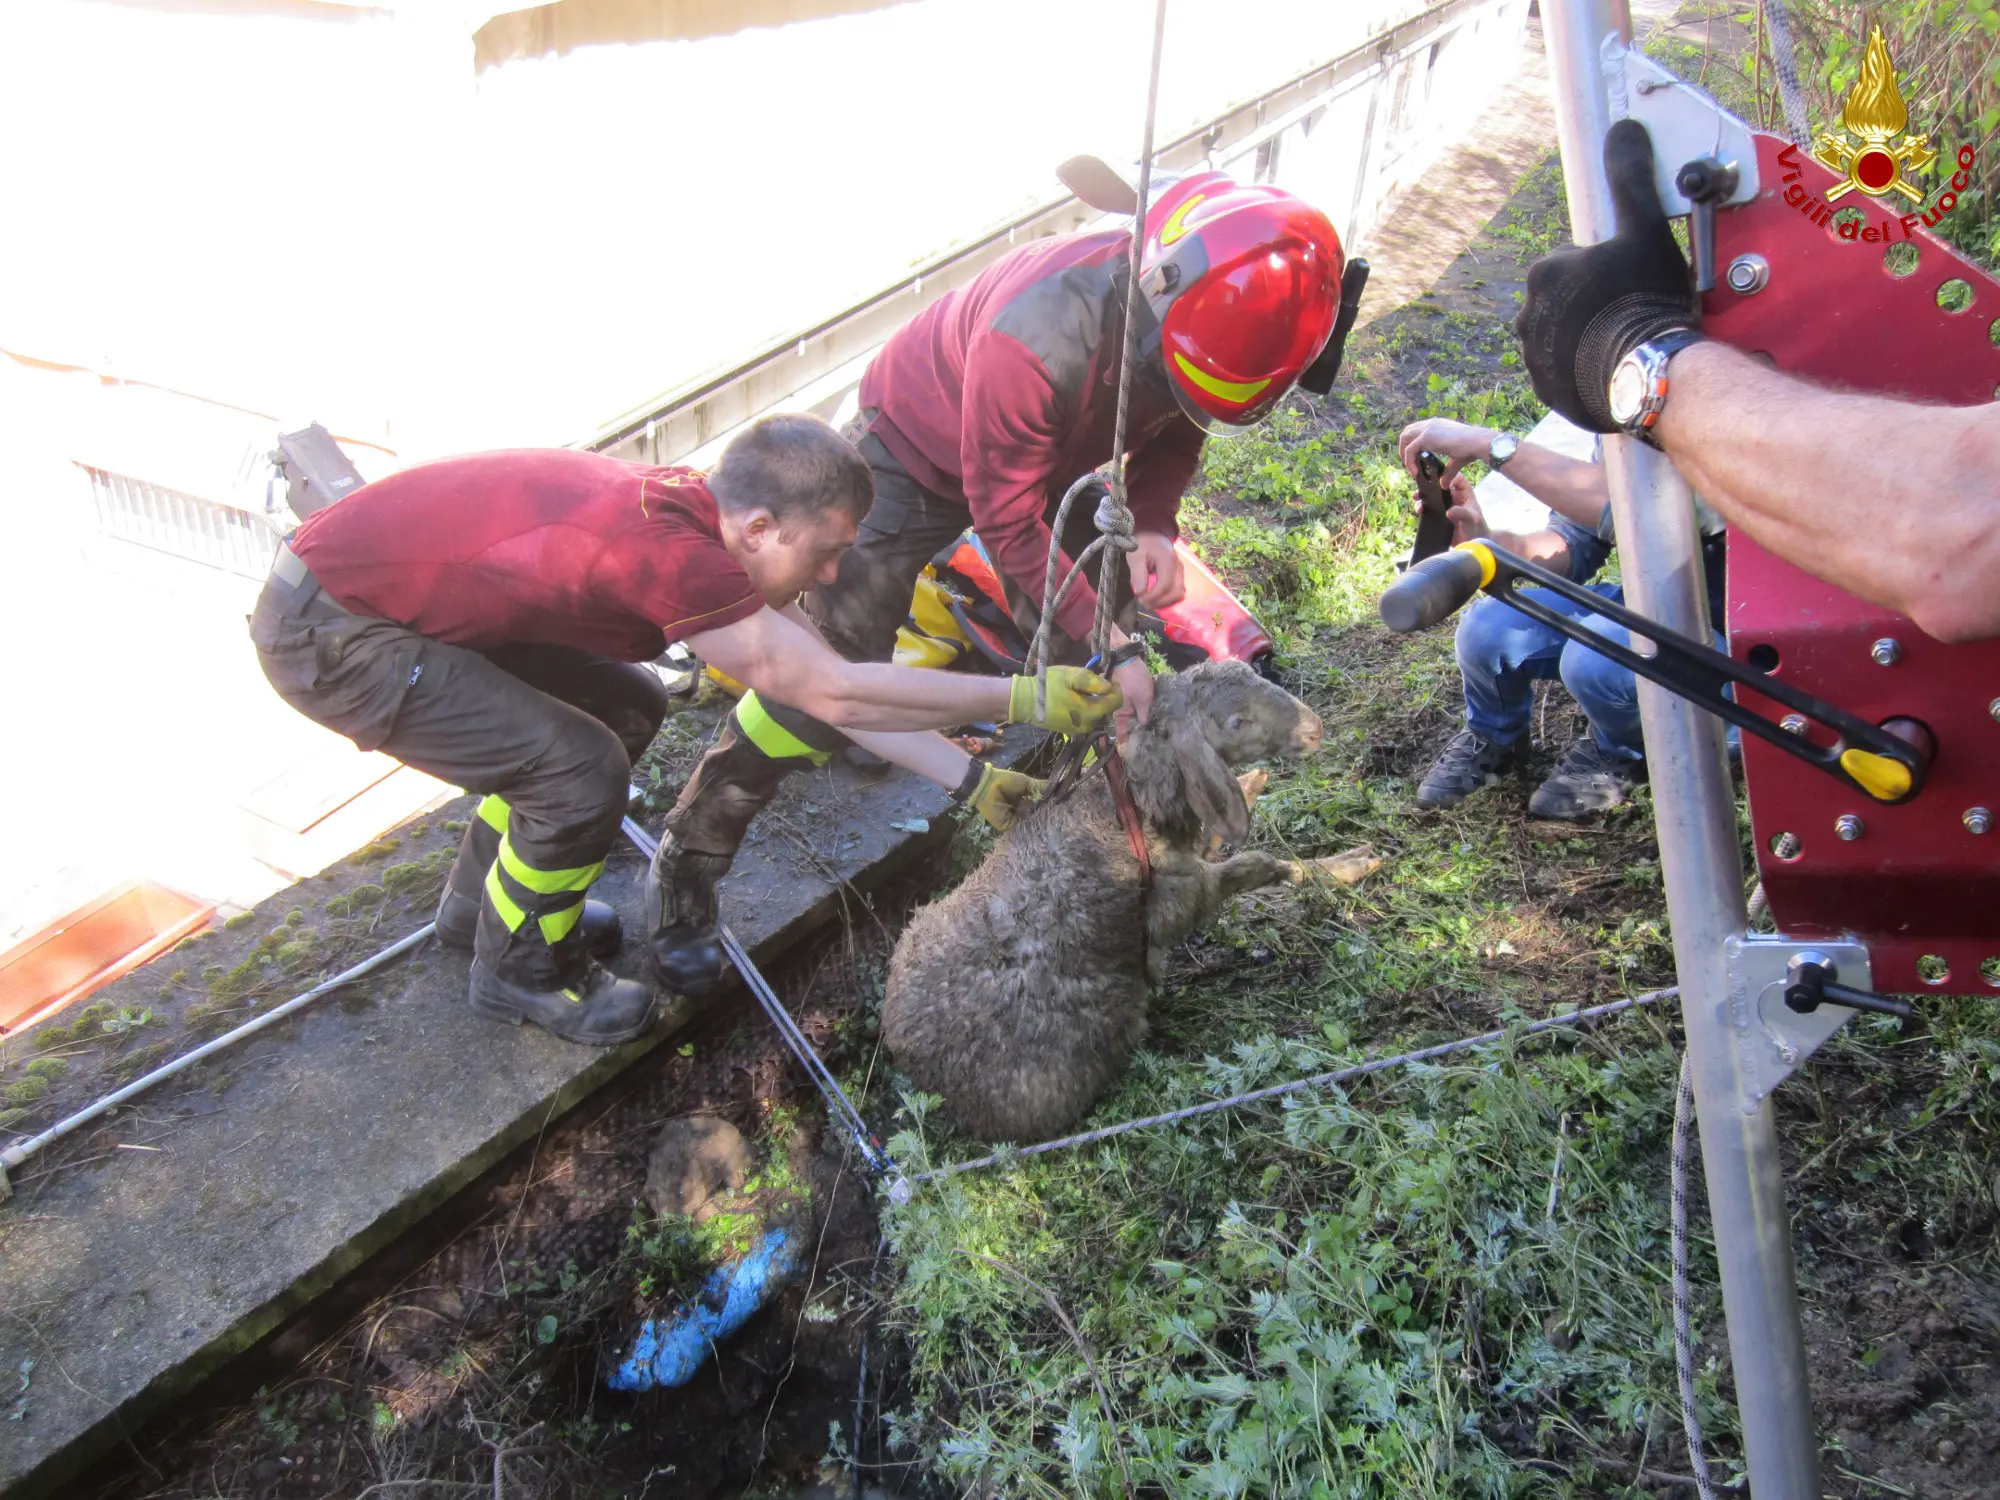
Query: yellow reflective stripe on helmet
[(545, 882), (1225, 390), (1176, 224), (768, 735), (557, 925), (509, 909), (492, 811)]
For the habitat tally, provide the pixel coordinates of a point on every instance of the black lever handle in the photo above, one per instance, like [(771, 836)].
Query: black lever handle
[(1704, 182), (1812, 985), (1867, 758)]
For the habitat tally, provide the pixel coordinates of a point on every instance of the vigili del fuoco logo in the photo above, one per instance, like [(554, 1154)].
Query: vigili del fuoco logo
[(1878, 156)]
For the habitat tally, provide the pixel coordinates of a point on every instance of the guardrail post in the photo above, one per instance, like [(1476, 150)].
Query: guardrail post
[(1694, 807)]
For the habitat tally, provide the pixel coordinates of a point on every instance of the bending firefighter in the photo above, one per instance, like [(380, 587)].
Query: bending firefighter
[(981, 412), (482, 618)]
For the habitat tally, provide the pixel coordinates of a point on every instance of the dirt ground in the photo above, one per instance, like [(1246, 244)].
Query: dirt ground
[(495, 1347)]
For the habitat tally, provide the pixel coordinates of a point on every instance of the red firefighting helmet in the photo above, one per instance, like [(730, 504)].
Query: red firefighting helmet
[(1244, 285)]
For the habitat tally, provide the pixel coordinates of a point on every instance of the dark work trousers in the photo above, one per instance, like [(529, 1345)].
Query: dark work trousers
[(553, 731)]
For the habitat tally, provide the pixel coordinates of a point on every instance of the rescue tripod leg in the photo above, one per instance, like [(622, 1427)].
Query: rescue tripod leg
[(1694, 806)]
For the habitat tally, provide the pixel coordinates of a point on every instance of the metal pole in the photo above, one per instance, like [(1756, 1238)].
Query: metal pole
[(14, 1155), (1694, 808)]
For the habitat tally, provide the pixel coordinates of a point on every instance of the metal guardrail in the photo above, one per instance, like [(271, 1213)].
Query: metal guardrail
[(678, 422)]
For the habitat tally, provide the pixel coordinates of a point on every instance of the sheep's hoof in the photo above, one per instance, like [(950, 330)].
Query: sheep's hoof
[(1350, 868)]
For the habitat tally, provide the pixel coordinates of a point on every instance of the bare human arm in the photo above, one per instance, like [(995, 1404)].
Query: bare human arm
[(788, 662), (1895, 502), (1468, 523), (923, 751), (1572, 488)]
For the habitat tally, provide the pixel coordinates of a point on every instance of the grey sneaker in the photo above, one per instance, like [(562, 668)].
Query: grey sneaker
[(1470, 763), (1586, 781)]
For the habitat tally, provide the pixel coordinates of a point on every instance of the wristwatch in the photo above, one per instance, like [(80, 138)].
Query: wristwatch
[(1638, 391), (1501, 449)]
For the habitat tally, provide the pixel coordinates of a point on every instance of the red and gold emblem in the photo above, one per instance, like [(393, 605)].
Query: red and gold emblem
[(1875, 115)]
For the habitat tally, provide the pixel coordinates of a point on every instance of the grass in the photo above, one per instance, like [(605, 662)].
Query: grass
[(1391, 1290)]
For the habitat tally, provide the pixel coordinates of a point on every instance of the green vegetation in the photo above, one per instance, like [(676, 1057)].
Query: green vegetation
[(1449, 1281), (1947, 67)]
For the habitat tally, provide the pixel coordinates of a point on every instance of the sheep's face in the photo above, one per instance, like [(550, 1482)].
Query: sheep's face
[(1247, 718)]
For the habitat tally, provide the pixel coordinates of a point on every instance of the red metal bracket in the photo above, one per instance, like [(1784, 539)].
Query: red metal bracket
[(1915, 882)]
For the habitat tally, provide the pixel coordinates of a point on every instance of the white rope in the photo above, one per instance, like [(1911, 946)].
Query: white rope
[(1683, 1333), (1784, 60)]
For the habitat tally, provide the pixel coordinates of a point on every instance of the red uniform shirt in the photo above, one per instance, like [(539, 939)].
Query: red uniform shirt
[(1006, 391), (541, 545)]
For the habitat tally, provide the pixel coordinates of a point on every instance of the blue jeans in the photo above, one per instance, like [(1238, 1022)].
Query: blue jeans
[(1502, 654)]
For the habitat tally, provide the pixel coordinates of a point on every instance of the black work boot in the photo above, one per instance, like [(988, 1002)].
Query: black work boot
[(1470, 763), (519, 976), (598, 929), (1587, 780), (734, 782)]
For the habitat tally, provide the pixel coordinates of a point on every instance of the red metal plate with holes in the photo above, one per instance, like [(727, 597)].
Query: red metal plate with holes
[(1916, 881)]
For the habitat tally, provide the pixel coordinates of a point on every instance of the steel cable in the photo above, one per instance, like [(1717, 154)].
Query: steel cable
[(1317, 1080), (1114, 515)]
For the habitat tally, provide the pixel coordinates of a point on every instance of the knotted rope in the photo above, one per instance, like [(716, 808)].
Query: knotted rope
[(1114, 515)]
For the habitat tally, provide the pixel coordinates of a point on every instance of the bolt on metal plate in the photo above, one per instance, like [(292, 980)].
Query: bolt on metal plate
[(1774, 1038), (1885, 652), (1979, 820), (1849, 827), (1748, 274), (1793, 723)]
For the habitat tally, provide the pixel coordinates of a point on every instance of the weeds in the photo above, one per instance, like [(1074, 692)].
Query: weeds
[(1389, 1291)]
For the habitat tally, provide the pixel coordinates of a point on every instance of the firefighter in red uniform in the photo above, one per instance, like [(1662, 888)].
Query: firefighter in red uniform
[(981, 412), (480, 618)]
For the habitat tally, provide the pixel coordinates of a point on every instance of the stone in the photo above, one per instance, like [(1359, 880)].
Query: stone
[(1947, 1451), (290, 1160), (695, 1165)]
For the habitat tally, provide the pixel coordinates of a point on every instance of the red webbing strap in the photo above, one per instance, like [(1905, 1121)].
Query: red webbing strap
[(1128, 810)]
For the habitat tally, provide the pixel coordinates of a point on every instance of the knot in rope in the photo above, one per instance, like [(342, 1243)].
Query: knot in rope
[(1114, 519)]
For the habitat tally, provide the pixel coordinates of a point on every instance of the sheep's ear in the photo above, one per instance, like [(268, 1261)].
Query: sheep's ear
[(1211, 791)]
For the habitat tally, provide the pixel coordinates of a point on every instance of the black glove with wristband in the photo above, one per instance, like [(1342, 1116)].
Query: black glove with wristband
[(1588, 308)]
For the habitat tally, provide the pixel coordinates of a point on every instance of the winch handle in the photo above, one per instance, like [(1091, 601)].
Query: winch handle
[(1869, 759), (1432, 590)]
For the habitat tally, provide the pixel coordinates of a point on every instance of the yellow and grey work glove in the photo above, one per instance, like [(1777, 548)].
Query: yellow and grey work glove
[(1079, 701), (1000, 797)]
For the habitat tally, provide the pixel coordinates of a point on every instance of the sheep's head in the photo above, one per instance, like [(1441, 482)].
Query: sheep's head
[(1219, 715), (1244, 717)]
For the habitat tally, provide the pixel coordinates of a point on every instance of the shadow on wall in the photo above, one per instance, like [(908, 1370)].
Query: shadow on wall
[(556, 29)]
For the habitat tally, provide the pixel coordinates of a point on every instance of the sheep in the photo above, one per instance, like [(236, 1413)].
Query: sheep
[(1019, 996)]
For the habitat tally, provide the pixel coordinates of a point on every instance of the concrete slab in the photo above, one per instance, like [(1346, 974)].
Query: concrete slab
[(128, 1280)]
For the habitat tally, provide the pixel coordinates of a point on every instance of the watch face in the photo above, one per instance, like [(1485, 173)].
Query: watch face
[(1628, 389), (1502, 448)]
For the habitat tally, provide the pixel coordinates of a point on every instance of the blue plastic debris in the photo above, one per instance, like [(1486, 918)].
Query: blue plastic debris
[(668, 1352)]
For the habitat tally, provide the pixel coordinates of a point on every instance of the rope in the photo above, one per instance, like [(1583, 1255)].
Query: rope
[(1784, 59), (839, 1106), (1038, 649), (1114, 515), (1317, 1080), (1683, 1336)]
